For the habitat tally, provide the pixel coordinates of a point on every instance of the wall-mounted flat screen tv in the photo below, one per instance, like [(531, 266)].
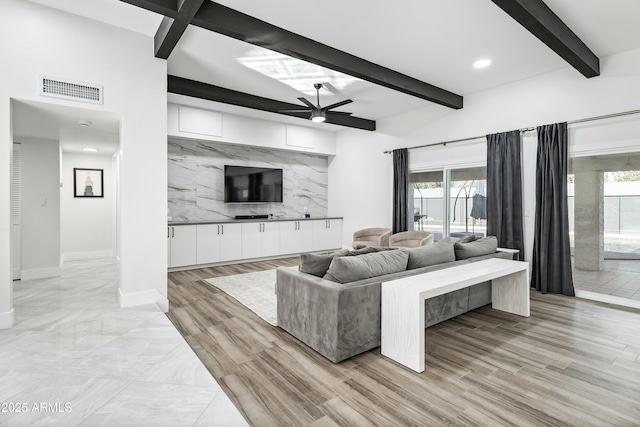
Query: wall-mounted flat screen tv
[(243, 184)]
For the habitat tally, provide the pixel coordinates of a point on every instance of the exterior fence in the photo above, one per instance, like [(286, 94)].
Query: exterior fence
[(621, 213)]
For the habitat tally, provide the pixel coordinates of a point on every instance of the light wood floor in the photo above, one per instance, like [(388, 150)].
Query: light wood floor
[(572, 363)]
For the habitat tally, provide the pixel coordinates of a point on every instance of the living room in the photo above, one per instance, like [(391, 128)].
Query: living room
[(43, 40)]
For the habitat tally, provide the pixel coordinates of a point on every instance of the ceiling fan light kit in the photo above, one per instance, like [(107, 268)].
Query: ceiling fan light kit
[(318, 116), (318, 113)]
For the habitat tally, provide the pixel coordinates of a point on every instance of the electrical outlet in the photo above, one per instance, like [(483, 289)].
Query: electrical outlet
[(43, 203)]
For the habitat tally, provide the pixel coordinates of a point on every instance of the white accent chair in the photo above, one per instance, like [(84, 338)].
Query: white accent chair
[(410, 239), (371, 237)]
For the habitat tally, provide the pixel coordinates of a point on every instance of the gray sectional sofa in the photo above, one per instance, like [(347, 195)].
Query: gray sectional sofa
[(332, 303)]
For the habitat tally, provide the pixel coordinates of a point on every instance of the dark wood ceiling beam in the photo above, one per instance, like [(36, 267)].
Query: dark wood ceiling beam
[(170, 31), (231, 23), (182, 86), (163, 7), (536, 17)]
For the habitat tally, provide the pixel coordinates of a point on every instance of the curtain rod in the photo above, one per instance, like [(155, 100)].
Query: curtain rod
[(523, 130)]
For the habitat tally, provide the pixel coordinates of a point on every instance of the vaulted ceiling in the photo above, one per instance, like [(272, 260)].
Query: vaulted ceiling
[(389, 57)]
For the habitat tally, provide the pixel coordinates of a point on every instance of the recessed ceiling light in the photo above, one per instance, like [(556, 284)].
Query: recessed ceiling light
[(89, 149), (482, 63)]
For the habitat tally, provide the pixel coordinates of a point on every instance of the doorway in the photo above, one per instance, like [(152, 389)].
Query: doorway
[(604, 206), (55, 225)]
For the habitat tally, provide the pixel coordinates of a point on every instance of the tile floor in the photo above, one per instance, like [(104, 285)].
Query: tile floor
[(74, 358), (619, 278)]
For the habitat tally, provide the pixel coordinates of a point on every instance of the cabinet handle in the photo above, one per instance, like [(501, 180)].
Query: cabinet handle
[(297, 225), (168, 231), (329, 224), (218, 229), (222, 226), (173, 232)]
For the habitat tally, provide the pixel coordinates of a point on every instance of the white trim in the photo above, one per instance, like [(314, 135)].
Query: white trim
[(40, 273), (576, 153), (135, 299), (610, 299), (430, 167), (7, 319), (76, 256)]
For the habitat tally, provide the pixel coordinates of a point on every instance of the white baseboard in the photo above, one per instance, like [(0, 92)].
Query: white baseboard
[(595, 296), (135, 299), (40, 273), (78, 256), (7, 319)]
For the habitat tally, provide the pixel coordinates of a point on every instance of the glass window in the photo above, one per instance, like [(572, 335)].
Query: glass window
[(466, 212), (427, 199), (468, 202)]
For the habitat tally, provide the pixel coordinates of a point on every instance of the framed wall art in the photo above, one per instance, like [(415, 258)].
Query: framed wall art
[(88, 182)]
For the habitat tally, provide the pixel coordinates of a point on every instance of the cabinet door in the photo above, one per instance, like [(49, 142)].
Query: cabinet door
[(183, 245), (230, 242), (334, 234), (168, 246), (270, 238), (251, 240), (304, 236), (289, 237), (208, 243), (319, 234)]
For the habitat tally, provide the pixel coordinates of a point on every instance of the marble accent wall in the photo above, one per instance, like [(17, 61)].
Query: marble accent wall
[(196, 181)]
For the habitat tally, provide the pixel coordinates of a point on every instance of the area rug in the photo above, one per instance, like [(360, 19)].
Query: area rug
[(256, 291)]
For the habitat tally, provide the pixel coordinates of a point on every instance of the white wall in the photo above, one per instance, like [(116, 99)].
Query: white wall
[(563, 95), (40, 216), (86, 223), (34, 41)]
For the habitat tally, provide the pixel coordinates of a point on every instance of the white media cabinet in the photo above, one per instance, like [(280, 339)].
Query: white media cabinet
[(206, 243)]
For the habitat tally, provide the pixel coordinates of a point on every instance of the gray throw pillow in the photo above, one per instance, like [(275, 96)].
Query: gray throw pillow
[(467, 239), (484, 246), (350, 269), (362, 251), (318, 264), (370, 250), (435, 253)]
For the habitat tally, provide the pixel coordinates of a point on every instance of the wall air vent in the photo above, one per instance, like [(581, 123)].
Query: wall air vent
[(75, 91)]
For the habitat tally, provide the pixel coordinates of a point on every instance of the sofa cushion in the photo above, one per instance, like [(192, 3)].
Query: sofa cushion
[(318, 264), (349, 269), (484, 246), (435, 253)]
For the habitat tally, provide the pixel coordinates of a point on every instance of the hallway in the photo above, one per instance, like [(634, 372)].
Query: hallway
[(91, 363)]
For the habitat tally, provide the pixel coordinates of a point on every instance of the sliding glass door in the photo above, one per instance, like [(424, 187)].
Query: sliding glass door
[(464, 213), (428, 205), (468, 202), (604, 217)]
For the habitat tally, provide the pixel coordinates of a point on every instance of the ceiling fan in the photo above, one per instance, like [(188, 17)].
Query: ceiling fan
[(319, 114)]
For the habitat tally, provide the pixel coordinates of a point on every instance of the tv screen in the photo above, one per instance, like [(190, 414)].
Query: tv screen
[(243, 184)]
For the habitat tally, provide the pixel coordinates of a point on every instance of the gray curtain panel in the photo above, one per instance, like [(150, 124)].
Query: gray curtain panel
[(504, 190), (400, 190), (551, 249)]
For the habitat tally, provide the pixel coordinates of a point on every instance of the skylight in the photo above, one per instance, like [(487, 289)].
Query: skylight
[(293, 72)]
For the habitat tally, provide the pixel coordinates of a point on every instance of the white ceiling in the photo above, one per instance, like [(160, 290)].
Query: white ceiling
[(57, 122), (435, 41)]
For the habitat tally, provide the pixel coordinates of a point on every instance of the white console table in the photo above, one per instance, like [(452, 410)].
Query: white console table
[(402, 334)]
